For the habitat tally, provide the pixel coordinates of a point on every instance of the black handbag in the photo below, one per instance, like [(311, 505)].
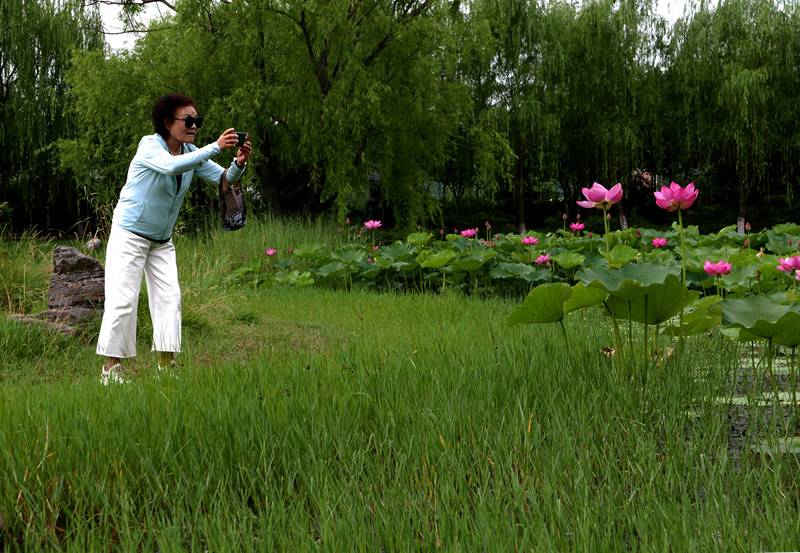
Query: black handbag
[(234, 210)]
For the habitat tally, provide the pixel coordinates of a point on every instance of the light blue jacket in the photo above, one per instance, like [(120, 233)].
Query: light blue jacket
[(150, 200)]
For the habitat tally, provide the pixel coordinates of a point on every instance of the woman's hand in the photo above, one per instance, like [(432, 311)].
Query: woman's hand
[(227, 139), (243, 154)]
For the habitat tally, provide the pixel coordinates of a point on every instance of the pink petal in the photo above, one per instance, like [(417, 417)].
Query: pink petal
[(597, 193), (615, 194), (666, 204)]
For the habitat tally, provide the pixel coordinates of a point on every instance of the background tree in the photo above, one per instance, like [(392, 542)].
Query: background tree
[(734, 71), (36, 42)]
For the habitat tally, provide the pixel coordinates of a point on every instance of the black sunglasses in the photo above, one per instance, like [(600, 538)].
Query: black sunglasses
[(189, 121)]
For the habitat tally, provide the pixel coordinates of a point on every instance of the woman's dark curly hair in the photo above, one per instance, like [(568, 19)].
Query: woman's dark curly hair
[(165, 107)]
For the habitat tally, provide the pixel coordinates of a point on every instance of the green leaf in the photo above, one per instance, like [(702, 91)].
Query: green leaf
[(472, 261), (621, 254), (661, 302), (436, 260), (763, 317), (330, 268), (397, 251), (301, 279), (544, 304), (309, 249), (349, 256), (698, 318), (583, 297), (418, 238), (628, 282), (569, 259)]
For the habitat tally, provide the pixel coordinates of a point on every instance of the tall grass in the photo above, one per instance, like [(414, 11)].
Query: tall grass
[(317, 419)]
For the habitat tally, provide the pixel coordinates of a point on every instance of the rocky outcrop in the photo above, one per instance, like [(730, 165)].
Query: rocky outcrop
[(77, 291)]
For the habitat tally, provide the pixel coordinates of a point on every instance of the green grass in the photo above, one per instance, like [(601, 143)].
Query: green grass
[(319, 419)]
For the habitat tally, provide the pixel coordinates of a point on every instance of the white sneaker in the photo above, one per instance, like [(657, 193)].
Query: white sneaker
[(114, 375), (169, 370)]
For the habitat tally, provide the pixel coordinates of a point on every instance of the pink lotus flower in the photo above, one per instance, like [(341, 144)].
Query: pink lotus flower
[(789, 264), (347, 220), (597, 196), (340, 229), (530, 240), (797, 274), (291, 249), (270, 252), (674, 196), (372, 225), (564, 216), (470, 232), (718, 268), (576, 226), (488, 226), (543, 259), (659, 242), (747, 227)]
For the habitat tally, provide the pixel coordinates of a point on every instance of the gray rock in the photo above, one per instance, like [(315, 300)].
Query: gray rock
[(77, 291), (77, 280)]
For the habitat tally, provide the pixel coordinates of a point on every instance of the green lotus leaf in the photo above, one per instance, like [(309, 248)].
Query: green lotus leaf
[(282, 277), (419, 238), (472, 261), (349, 256), (398, 251), (778, 242), (301, 279), (661, 302), (510, 270), (435, 260), (584, 296), (283, 263), (621, 254), (630, 281), (330, 268), (537, 275), (369, 269), (568, 259), (740, 278), (698, 318), (309, 249), (764, 317), (408, 265), (544, 304)]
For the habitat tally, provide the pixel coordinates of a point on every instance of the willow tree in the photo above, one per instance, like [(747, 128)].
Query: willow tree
[(605, 67), (515, 100), (339, 97), (36, 40), (736, 67)]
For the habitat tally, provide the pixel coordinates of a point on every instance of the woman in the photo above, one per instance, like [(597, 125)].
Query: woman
[(140, 240)]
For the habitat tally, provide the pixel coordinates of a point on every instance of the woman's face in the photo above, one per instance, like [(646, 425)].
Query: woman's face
[(177, 128)]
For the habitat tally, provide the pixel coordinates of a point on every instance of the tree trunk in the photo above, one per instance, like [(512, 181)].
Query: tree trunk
[(744, 196), (623, 218), (519, 199)]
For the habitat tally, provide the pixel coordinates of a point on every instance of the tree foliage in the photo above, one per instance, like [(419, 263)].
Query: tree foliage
[(36, 42), (389, 108)]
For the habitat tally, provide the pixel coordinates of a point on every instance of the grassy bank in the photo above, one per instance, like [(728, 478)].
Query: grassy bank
[(319, 419)]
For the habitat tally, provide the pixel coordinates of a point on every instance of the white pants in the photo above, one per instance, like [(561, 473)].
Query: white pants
[(127, 257)]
